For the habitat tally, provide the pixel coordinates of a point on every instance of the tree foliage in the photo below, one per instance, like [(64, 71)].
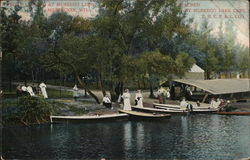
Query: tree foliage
[(128, 41)]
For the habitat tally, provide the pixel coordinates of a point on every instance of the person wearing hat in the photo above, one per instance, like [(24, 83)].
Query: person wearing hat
[(106, 101), (75, 93), (138, 99), (43, 90), (30, 91), (126, 100)]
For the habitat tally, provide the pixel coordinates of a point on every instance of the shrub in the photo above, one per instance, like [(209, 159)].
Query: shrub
[(33, 110)]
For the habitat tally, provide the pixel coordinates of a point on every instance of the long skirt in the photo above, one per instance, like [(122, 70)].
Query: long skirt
[(127, 105), (44, 93)]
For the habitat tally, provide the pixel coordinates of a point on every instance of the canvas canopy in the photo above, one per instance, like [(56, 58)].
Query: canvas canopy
[(219, 86)]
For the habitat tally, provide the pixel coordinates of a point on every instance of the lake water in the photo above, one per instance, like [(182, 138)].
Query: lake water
[(181, 137)]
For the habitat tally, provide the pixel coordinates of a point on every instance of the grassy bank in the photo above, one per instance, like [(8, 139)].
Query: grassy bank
[(13, 111)]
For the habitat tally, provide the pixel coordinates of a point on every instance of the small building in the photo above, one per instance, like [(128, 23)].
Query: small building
[(195, 72)]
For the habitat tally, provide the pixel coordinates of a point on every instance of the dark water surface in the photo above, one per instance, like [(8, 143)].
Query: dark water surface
[(181, 137)]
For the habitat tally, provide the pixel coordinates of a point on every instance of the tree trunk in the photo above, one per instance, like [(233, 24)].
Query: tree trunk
[(144, 83), (219, 75), (118, 90), (86, 88), (207, 75), (138, 84), (113, 93), (243, 74), (151, 90), (100, 84), (33, 76), (122, 88)]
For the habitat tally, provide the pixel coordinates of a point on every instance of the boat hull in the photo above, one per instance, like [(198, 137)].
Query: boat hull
[(176, 108), (143, 115), (158, 110), (95, 118), (234, 113)]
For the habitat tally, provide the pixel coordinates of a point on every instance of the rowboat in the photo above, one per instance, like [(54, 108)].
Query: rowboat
[(177, 108), (158, 110), (142, 115), (233, 113), (89, 118)]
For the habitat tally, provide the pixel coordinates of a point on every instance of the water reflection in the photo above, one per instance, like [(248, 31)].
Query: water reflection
[(181, 137), (140, 137), (127, 130), (184, 125)]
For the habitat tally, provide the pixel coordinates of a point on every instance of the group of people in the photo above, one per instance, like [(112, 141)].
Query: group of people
[(218, 103), (31, 90), (125, 100), (163, 94)]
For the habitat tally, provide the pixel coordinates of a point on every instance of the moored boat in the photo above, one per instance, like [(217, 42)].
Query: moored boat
[(143, 115), (89, 117), (159, 110), (177, 108)]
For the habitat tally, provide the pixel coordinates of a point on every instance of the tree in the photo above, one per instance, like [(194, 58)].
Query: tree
[(244, 61), (154, 64), (204, 42), (131, 28), (10, 38)]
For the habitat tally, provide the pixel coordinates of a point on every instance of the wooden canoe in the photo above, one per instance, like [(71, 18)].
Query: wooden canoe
[(89, 117), (156, 110), (233, 113), (171, 110), (143, 115), (176, 108)]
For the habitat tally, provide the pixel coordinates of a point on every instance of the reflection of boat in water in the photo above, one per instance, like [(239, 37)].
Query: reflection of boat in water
[(89, 117), (158, 110), (204, 108), (142, 115), (234, 113)]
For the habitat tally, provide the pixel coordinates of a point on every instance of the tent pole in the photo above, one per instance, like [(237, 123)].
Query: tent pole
[(205, 97)]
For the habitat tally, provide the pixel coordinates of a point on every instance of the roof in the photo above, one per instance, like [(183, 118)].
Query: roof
[(219, 86), (196, 68)]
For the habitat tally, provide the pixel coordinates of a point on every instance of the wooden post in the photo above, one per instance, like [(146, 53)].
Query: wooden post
[(205, 97), (231, 96)]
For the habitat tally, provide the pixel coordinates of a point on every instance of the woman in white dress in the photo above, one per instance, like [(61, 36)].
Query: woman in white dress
[(138, 99), (126, 100), (183, 104), (106, 101), (30, 90), (75, 92), (43, 90)]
